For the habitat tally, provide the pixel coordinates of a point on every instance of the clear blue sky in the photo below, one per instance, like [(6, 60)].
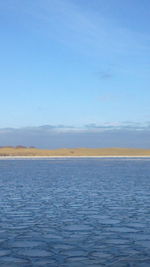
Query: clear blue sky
[(74, 62)]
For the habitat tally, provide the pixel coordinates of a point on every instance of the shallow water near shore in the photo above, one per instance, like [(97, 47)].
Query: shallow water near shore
[(75, 212)]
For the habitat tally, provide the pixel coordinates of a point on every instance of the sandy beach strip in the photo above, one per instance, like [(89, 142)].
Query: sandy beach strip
[(77, 157)]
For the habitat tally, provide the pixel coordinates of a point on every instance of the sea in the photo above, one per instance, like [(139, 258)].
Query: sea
[(75, 212)]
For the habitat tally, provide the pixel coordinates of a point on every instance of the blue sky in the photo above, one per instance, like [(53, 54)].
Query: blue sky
[(74, 62)]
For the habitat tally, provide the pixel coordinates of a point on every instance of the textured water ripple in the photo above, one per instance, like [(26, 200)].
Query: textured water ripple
[(74, 213)]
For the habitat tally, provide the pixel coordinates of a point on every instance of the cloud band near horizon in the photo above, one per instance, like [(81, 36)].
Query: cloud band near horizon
[(127, 134)]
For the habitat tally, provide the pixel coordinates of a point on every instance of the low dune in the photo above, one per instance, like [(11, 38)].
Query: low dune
[(25, 151)]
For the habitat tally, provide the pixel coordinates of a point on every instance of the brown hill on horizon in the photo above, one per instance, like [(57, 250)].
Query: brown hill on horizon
[(31, 151)]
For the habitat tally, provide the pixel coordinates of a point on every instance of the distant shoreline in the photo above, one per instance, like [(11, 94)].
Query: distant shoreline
[(36, 153)]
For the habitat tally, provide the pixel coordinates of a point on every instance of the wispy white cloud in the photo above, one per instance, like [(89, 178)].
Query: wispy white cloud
[(81, 28), (79, 25)]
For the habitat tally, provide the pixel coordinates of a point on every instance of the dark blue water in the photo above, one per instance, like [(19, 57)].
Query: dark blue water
[(76, 212)]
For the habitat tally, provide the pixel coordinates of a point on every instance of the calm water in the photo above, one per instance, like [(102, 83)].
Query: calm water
[(76, 212)]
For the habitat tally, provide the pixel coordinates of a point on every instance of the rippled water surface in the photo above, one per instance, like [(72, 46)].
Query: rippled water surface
[(75, 212)]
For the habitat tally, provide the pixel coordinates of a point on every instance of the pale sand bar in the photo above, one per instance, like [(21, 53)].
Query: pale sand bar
[(72, 157)]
